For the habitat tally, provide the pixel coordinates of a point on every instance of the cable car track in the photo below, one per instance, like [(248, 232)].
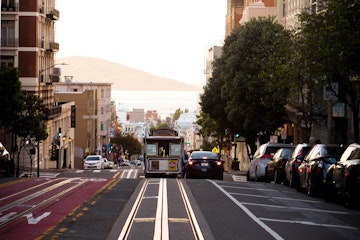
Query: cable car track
[(164, 217)]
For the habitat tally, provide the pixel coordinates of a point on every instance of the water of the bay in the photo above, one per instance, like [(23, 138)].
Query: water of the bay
[(164, 102)]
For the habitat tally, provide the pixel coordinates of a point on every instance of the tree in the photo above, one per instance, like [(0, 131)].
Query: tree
[(177, 114), (127, 143), (249, 87), (11, 97), (305, 105), (333, 36)]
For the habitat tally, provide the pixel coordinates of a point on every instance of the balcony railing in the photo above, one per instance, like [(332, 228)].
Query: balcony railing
[(53, 47), (52, 112), (53, 14), (5, 42), (55, 76), (10, 7)]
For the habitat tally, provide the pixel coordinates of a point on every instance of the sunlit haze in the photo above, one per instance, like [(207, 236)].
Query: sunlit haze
[(164, 37)]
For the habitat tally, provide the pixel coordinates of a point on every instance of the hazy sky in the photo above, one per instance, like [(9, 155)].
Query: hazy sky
[(167, 38)]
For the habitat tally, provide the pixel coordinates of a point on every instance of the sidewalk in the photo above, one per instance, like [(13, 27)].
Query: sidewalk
[(237, 172)]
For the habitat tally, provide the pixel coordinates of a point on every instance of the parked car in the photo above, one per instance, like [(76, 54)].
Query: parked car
[(135, 163), (204, 164), (291, 166), (93, 162), (343, 177), (258, 164), (312, 171), (275, 170), (108, 164)]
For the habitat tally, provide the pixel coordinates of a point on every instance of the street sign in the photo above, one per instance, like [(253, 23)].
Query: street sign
[(215, 150)]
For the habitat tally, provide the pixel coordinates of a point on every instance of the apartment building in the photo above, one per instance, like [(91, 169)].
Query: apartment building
[(241, 11), (95, 116), (28, 43)]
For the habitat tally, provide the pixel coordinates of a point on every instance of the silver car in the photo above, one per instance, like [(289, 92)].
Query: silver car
[(263, 155), (93, 162)]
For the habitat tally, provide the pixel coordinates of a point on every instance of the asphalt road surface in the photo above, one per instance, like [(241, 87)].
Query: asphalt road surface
[(122, 204)]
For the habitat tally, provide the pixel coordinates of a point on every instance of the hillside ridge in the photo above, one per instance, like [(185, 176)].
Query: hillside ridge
[(87, 69)]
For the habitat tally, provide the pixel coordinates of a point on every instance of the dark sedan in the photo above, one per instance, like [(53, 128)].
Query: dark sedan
[(204, 164), (276, 167), (343, 177), (312, 171), (291, 166)]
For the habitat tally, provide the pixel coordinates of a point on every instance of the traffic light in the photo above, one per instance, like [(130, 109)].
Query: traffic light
[(239, 138), (59, 132)]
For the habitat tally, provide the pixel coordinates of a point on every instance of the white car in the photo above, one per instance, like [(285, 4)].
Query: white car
[(259, 162), (94, 162), (108, 164)]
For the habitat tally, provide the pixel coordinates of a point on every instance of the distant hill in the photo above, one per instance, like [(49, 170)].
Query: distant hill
[(85, 69)]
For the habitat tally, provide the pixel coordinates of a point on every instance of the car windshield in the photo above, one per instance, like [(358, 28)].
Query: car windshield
[(272, 150), (92, 159), (200, 155), (332, 151)]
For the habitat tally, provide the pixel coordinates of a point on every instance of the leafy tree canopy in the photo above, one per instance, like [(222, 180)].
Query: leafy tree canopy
[(127, 142), (331, 40), (11, 97)]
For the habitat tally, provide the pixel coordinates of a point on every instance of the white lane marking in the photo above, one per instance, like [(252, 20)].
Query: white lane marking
[(255, 189), (97, 171), (248, 212), (158, 229), (294, 208), (280, 198), (129, 173), (79, 171), (237, 178), (32, 220), (165, 214), (309, 223)]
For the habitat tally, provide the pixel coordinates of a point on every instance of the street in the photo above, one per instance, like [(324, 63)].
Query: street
[(122, 204)]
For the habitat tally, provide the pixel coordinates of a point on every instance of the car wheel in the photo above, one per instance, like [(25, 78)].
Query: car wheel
[(329, 190), (309, 187), (292, 182), (221, 177), (277, 177), (256, 177), (286, 182), (248, 176), (349, 200), (267, 178)]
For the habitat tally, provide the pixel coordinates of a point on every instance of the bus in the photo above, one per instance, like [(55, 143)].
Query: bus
[(163, 153)]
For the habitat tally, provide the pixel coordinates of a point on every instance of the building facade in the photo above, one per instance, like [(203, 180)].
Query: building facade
[(28, 43), (95, 116)]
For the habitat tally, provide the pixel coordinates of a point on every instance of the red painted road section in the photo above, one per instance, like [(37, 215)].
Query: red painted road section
[(38, 220)]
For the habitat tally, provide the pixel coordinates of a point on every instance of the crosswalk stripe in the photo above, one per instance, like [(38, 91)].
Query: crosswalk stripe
[(238, 178)]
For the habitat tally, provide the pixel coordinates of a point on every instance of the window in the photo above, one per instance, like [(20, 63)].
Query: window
[(151, 149), (175, 149), (8, 33)]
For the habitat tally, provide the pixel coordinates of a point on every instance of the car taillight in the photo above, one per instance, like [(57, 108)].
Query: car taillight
[(266, 155), (218, 163), (319, 167), (190, 162)]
